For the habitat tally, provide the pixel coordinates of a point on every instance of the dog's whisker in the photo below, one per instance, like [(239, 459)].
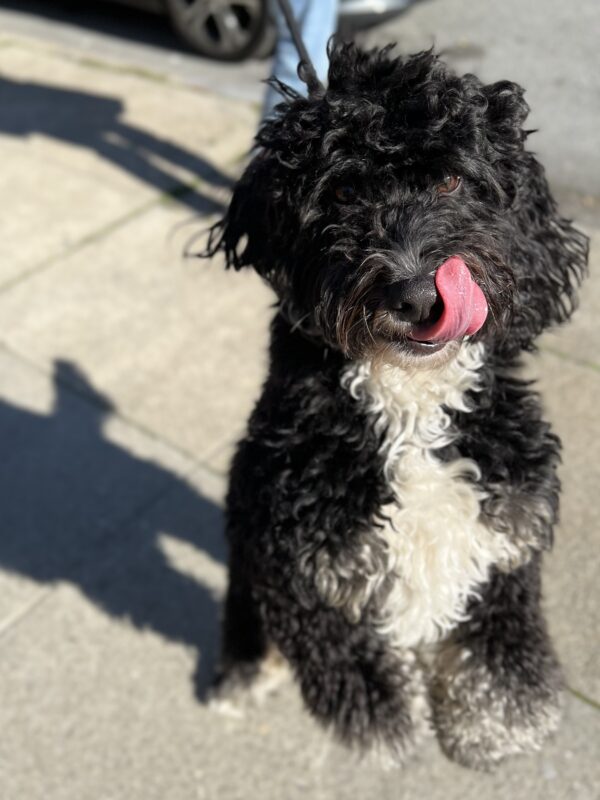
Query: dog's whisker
[(298, 323)]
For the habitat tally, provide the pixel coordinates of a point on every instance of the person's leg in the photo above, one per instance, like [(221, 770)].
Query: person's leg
[(317, 20)]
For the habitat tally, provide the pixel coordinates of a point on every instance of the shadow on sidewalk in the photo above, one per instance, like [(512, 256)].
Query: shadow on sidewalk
[(95, 122), (75, 509)]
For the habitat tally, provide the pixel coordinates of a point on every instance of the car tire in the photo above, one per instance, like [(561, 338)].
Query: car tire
[(265, 47), (227, 30)]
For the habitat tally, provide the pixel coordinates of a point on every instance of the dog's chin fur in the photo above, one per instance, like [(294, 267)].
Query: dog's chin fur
[(404, 356), (389, 496), (384, 345)]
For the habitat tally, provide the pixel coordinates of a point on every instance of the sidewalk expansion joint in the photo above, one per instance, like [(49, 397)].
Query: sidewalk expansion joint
[(584, 698), (580, 362), (82, 394), (174, 194), (15, 619), (76, 55), (89, 238)]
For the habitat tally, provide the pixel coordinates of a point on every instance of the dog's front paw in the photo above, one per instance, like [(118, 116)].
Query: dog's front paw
[(481, 718), (246, 683), (379, 707)]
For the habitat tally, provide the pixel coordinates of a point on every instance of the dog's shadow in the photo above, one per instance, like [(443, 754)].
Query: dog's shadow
[(80, 509), (96, 122)]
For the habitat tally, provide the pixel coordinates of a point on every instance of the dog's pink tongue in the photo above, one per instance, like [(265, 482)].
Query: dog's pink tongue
[(465, 306)]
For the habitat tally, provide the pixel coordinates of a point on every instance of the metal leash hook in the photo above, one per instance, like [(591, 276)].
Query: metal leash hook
[(309, 75)]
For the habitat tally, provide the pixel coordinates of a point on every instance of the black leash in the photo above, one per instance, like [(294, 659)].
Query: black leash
[(308, 74)]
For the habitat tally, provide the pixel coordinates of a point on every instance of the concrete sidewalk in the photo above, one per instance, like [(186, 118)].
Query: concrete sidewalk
[(126, 376)]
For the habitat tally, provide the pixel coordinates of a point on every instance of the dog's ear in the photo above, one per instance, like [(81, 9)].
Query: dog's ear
[(244, 232), (547, 254), (505, 114)]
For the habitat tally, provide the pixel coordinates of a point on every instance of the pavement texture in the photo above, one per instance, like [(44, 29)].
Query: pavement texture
[(126, 375)]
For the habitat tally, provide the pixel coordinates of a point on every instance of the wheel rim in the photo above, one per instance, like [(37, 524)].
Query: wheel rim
[(221, 27)]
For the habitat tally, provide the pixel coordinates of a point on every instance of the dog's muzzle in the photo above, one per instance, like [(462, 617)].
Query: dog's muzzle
[(439, 307)]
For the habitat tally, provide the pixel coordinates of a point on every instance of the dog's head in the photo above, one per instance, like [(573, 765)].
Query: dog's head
[(397, 212)]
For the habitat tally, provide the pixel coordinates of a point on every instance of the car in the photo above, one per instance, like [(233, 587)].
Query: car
[(232, 30)]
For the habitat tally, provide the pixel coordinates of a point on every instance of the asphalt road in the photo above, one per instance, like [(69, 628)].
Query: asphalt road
[(549, 46)]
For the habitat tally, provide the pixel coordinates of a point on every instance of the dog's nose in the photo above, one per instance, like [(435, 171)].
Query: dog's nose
[(412, 299)]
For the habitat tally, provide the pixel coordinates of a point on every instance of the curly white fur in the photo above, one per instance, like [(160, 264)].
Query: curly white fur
[(438, 549)]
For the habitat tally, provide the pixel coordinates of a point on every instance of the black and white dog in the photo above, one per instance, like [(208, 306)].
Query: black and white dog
[(390, 503)]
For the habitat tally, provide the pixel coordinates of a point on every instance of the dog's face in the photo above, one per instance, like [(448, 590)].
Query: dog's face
[(398, 212)]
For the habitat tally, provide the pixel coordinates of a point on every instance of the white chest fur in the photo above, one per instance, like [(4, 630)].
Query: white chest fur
[(438, 550)]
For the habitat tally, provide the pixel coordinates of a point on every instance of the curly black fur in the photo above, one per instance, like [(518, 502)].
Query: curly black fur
[(340, 203)]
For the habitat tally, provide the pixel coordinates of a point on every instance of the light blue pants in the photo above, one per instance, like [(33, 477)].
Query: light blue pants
[(317, 20)]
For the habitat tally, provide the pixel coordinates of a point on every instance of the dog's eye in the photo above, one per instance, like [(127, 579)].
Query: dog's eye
[(449, 185), (345, 194)]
